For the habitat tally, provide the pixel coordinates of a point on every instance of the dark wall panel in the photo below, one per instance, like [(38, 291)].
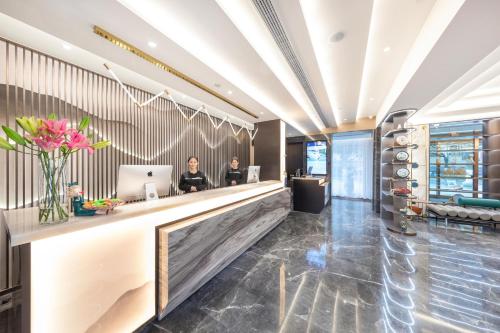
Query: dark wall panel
[(267, 150), (294, 156)]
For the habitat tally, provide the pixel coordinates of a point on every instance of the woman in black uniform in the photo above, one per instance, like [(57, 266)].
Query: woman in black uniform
[(233, 175), (193, 180)]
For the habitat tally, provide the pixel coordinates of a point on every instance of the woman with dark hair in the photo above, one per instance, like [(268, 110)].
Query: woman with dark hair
[(193, 180), (233, 175)]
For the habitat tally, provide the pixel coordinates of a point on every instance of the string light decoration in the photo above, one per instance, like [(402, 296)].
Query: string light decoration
[(252, 136), (202, 108), (234, 132)]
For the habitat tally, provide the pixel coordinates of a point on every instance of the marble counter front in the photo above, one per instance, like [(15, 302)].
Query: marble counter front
[(194, 250)]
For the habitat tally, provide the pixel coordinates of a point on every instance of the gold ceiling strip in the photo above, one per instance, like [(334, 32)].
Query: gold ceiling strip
[(138, 52)]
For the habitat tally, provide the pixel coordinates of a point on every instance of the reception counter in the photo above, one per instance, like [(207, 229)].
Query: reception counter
[(113, 273), (310, 194)]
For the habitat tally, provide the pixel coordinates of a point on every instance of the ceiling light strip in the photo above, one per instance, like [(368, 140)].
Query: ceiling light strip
[(273, 23), (319, 50), (368, 67), (138, 52)]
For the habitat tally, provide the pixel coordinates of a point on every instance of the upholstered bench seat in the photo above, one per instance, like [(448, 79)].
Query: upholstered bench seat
[(463, 212)]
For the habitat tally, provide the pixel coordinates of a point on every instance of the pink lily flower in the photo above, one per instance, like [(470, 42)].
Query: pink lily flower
[(55, 127), (78, 141), (48, 143)]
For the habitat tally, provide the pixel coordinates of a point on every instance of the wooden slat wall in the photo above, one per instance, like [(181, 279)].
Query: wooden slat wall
[(32, 83)]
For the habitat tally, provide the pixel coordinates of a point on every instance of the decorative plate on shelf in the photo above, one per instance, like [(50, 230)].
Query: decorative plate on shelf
[(403, 172), (402, 140), (402, 156)]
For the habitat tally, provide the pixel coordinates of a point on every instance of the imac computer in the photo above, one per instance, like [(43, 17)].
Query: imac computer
[(253, 174), (139, 182)]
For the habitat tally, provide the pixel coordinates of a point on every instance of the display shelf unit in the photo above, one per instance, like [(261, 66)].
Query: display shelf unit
[(394, 207), (376, 170), (395, 179), (398, 163), (457, 150), (389, 193), (389, 118), (477, 134), (394, 132), (452, 164), (410, 146)]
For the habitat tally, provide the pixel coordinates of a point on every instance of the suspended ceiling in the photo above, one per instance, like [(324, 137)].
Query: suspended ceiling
[(318, 65)]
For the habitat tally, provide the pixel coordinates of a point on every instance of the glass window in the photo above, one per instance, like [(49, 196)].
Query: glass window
[(352, 165), (456, 160)]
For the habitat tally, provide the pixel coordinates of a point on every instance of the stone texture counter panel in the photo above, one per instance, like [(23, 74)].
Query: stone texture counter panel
[(192, 251)]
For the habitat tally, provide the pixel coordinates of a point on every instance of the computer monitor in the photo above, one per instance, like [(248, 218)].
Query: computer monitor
[(253, 174), (132, 180)]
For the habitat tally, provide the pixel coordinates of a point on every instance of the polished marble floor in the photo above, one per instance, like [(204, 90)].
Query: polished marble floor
[(341, 271)]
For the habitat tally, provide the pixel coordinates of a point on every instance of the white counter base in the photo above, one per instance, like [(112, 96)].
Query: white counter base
[(98, 274)]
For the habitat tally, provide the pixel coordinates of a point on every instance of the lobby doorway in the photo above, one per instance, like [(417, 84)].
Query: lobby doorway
[(352, 165)]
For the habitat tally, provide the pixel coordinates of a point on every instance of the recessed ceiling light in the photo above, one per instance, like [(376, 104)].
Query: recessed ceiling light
[(261, 112), (66, 46), (387, 49), (152, 44), (337, 37), (229, 92)]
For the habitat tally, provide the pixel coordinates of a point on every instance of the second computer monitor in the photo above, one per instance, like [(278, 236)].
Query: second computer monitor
[(253, 174), (132, 180)]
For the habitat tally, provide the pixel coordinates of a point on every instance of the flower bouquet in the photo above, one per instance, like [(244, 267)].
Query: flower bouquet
[(53, 142)]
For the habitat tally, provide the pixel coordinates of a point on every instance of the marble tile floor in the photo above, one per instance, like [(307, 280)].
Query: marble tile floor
[(341, 271)]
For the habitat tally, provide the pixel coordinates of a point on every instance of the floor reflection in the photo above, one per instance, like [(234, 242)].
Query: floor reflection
[(342, 272), (399, 271)]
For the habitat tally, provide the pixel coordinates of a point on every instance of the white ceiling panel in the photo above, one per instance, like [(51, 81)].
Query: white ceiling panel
[(340, 63), (359, 58)]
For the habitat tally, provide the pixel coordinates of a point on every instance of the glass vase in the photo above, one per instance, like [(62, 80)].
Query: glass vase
[(52, 194)]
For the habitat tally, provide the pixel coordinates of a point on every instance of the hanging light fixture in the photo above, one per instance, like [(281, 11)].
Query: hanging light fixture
[(202, 108)]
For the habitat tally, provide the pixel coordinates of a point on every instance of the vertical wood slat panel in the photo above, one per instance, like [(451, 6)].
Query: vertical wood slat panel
[(7, 111), (37, 84)]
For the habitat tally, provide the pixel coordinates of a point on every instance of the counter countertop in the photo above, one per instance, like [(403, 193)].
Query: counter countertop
[(23, 226), (320, 180)]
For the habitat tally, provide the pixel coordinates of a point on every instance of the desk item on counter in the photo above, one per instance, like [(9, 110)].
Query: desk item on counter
[(103, 204), (75, 193), (78, 209)]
